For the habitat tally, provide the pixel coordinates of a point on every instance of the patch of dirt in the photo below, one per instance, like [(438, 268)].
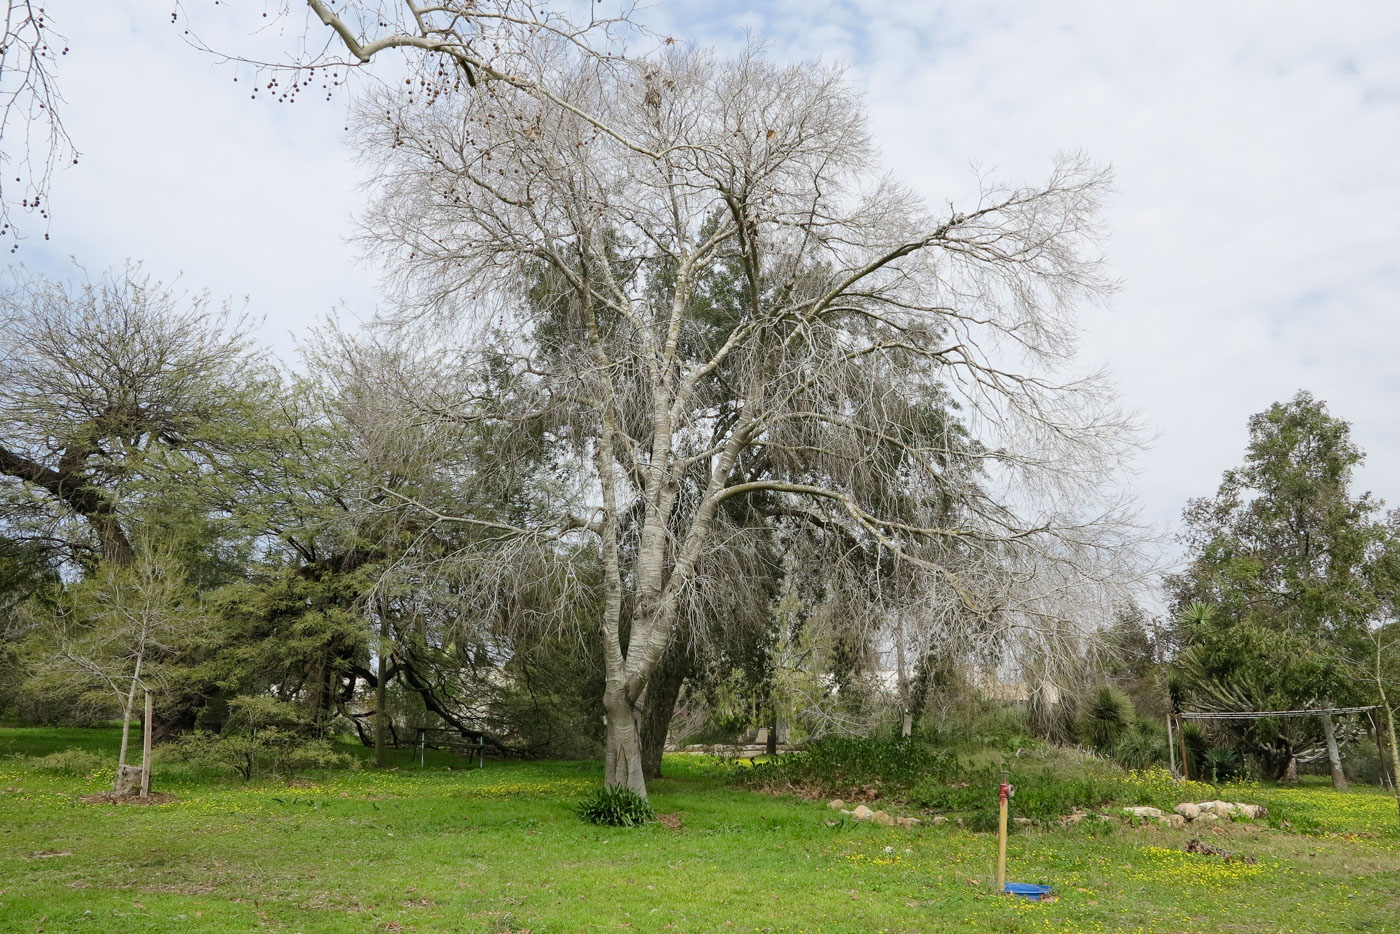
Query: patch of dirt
[(1199, 846), (49, 854), (670, 821), (108, 797)]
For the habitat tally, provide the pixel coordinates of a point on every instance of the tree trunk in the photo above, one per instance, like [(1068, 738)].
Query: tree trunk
[(172, 722), (116, 547), (1390, 728), (623, 759), (122, 780), (772, 745), (663, 690), (1383, 751), (1334, 756), (1290, 774), (905, 701), (379, 689), (1394, 752)]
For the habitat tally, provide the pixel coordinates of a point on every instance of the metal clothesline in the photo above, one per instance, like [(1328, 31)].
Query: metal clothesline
[(1251, 714)]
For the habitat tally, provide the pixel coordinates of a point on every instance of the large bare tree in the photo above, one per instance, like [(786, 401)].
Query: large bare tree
[(573, 229)]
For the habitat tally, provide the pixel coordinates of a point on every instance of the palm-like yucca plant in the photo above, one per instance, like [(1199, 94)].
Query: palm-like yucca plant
[(1221, 764), (1104, 718)]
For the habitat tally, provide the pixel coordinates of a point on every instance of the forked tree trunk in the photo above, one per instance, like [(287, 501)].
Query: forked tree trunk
[(1334, 756), (623, 763)]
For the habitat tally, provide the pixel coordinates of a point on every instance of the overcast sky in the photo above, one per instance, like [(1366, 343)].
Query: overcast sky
[(1256, 225)]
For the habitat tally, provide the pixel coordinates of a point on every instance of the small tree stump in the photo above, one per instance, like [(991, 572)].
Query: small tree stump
[(128, 781)]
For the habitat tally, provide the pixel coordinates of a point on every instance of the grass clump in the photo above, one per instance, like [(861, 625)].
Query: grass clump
[(77, 762), (615, 807)]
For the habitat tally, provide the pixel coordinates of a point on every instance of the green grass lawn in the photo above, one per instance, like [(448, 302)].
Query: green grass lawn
[(500, 850)]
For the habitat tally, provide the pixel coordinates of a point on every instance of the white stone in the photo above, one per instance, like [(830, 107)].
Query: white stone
[(862, 812)]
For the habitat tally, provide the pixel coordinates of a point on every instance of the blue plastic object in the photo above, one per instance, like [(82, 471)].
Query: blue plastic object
[(1033, 892)]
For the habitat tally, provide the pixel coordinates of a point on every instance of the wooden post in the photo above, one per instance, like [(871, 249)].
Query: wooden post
[(1181, 738), (146, 748), (1001, 836), (1171, 746)]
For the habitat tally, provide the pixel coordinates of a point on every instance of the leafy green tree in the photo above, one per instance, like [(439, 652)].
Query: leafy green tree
[(1281, 554), (115, 635), (112, 393)]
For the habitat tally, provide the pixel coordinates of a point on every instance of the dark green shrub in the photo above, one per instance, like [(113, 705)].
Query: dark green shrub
[(615, 807), (1144, 746), (1104, 718), (1196, 746), (263, 736)]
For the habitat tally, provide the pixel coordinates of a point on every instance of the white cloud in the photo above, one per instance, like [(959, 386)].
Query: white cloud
[(181, 169), (1256, 226), (1257, 220)]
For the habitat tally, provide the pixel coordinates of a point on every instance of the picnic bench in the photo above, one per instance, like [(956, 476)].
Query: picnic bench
[(472, 743)]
